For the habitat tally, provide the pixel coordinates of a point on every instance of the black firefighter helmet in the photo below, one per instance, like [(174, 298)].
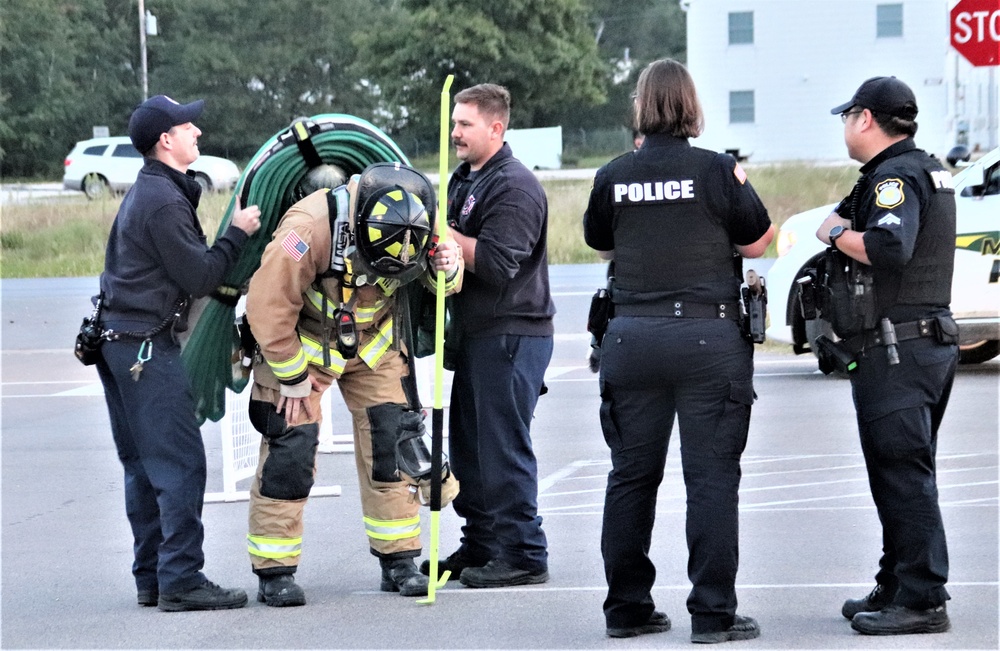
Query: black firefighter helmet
[(395, 222)]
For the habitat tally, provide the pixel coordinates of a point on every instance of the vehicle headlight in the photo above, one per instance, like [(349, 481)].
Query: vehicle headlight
[(786, 240)]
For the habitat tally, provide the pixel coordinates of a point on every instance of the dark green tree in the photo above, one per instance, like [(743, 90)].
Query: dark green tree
[(543, 51), (630, 35), (258, 64), (66, 67)]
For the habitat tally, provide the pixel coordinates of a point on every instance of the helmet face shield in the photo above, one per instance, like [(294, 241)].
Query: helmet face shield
[(392, 234)]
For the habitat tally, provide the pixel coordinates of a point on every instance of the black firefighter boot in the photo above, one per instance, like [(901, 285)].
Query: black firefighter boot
[(401, 575), (280, 590)]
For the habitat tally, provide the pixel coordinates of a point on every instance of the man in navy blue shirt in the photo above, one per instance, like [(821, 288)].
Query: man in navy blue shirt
[(157, 258), (502, 336)]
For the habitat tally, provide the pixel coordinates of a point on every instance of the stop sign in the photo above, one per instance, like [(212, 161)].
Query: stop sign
[(975, 31)]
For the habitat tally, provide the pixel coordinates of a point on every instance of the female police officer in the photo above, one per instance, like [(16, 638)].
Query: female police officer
[(673, 217)]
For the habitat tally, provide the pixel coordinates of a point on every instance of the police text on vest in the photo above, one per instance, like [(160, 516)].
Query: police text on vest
[(654, 191)]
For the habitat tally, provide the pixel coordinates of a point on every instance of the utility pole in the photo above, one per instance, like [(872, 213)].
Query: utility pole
[(142, 48)]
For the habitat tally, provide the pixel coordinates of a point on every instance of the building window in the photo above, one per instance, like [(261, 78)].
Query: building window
[(888, 20), (741, 106), (740, 27)]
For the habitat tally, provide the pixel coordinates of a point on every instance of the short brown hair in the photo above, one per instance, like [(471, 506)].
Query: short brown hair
[(667, 102), (492, 101)]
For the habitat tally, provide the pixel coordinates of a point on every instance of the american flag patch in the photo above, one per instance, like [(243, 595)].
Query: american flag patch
[(294, 246), (740, 175)]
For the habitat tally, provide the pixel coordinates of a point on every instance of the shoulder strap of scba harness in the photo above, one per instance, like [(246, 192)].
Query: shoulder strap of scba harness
[(338, 204)]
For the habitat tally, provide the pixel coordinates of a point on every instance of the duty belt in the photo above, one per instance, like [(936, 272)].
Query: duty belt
[(904, 332), (681, 310)]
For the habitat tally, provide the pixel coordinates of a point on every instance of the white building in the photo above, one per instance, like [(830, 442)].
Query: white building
[(769, 71)]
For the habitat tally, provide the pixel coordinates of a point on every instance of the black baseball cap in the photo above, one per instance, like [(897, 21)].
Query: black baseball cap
[(158, 115), (886, 95)]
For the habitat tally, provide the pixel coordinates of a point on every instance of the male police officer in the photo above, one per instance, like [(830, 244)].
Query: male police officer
[(899, 224)]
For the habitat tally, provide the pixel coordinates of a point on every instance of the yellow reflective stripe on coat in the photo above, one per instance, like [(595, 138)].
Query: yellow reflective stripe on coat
[(273, 547), (392, 529), (450, 285), (289, 368), (367, 314), (377, 347), (313, 351), (361, 314)]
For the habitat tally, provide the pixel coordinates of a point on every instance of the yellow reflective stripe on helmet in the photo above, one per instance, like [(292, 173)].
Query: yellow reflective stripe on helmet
[(376, 348), (289, 368), (273, 547), (392, 529), (313, 351)]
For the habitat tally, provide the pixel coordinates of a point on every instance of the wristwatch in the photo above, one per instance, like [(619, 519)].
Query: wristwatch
[(836, 232)]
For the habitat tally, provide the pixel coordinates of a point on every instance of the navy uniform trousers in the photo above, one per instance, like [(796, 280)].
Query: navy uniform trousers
[(899, 409), (161, 449), (701, 371), (496, 387)]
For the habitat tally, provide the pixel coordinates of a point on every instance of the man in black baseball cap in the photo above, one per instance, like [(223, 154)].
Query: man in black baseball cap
[(155, 262), (158, 115), (886, 95), (894, 232)]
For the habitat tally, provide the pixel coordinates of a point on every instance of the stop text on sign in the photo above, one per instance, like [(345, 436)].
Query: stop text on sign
[(977, 24)]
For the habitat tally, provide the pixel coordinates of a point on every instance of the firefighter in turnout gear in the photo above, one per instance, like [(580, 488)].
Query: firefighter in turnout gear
[(323, 308)]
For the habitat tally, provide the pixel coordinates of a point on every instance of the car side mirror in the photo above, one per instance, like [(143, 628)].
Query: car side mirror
[(973, 182)]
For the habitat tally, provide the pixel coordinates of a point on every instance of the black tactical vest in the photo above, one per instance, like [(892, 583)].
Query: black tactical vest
[(926, 278), (670, 238)]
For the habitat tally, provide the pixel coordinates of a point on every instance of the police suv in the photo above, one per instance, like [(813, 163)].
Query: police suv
[(975, 290)]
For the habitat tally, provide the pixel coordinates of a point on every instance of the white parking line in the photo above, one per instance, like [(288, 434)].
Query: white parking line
[(685, 587)]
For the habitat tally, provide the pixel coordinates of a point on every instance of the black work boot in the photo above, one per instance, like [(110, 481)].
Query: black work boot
[(900, 620), (206, 596), (657, 623), (401, 575), (280, 590), (500, 574), (455, 563), (880, 597), (148, 597), (742, 628)]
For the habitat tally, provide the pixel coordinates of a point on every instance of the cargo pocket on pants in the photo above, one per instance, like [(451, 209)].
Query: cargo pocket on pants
[(731, 432), (609, 427)]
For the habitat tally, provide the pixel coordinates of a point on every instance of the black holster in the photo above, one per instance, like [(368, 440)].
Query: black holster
[(846, 296), (602, 310), (834, 356)]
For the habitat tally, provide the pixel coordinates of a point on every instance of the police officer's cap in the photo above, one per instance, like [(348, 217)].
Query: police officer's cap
[(886, 95)]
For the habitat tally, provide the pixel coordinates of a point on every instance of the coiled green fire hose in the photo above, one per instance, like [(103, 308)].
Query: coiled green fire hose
[(268, 181)]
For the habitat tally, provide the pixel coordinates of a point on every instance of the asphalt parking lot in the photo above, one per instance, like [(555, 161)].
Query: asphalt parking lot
[(809, 532)]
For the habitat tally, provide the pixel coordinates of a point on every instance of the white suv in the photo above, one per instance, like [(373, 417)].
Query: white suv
[(101, 165), (975, 288)]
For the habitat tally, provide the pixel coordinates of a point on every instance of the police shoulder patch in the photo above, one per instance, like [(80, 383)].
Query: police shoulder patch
[(889, 193)]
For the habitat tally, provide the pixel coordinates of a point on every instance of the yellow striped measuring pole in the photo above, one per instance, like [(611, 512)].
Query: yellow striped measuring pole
[(437, 417)]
